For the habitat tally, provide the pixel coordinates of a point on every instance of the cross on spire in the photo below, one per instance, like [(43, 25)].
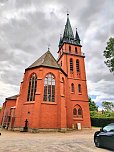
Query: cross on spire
[(48, 47), (67, 13)]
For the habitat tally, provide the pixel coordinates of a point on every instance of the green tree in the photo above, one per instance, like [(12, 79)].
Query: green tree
[(109, 54), (93, 108), (92, 105), (108, 106)]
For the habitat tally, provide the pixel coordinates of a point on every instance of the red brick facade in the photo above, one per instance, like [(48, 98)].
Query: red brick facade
[(7, 114), (68, 98)]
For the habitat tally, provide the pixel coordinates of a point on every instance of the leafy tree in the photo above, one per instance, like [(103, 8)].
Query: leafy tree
[(108, 106), (109, 54), (92, 105)]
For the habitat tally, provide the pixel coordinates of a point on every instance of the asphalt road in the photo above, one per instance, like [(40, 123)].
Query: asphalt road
[(73, 141)]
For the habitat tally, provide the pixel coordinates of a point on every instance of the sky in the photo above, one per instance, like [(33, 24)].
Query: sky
[(28, 27)]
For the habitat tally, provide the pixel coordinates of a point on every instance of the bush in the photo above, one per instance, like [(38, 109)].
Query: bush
[(104, 114), (101, 122), (93, 114)]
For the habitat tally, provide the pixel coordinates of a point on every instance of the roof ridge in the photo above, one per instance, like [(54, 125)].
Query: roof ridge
[(13, 97), (47, 59)]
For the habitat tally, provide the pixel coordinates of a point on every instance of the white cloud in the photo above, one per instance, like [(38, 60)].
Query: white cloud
[(27, 27), (7, 90)]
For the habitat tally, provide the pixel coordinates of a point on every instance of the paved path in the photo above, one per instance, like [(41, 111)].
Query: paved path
[(76, 141)]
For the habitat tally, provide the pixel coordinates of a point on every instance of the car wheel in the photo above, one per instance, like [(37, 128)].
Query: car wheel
[(97, 142)]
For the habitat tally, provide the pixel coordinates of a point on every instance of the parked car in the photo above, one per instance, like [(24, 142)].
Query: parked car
[(105, 137)]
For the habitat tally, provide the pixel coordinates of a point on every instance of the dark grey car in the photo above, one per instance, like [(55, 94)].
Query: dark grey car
[(105, 137)]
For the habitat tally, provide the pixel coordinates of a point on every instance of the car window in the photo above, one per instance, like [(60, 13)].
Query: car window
[(108, 128)]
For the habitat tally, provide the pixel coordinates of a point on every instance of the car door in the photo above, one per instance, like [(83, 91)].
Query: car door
[(111, 139), (104, 139), (108, 139)]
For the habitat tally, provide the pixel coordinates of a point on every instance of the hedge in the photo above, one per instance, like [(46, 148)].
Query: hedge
[(101, 122)]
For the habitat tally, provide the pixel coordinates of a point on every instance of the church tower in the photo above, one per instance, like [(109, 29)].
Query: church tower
[(71, 60)]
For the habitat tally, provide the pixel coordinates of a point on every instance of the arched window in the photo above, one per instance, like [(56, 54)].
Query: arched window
[(79, 88), (63, 86), (76, 51), (32, 87), (77, 66), (69, 49), (49, 88), (71, 65), (74, 111), (72, 87), (77, 112)]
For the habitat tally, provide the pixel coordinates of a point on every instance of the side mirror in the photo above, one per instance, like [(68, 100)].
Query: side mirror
[(101, 130)]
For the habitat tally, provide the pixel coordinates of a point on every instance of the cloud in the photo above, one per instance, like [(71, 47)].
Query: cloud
[(28, 27)]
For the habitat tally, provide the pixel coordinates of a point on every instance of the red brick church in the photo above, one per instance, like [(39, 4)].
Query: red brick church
[(53, 93)]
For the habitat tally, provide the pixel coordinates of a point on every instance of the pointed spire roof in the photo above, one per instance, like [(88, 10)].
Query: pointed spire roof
[(68, 36), (61, 40), (77, 38), (47, 60), (68, 32)]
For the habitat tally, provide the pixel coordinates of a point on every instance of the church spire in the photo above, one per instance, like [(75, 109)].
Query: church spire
[(61, 40), (68, 33), (68, 36), (77, 38)]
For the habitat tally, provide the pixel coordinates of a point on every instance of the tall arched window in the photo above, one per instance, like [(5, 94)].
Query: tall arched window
[(69, 49), (74, 111), (80, 111), (49, 88), (77, 112), (76, 50), (77, 66), (72, 87), (79, 88), (63, 86), (71, 65), (32, 87)]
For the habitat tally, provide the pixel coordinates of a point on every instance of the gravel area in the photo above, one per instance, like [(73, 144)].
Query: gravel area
[(71, 141)]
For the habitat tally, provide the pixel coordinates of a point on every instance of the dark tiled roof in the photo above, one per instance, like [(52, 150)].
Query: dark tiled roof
[(47, 60), (68, 36), (77, 38), (12, 97), (68, 33)]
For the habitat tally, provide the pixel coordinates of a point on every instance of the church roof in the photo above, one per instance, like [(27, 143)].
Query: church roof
[(46, 60), (12, 97), (68, 36), (77, 38), (68, 32)]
